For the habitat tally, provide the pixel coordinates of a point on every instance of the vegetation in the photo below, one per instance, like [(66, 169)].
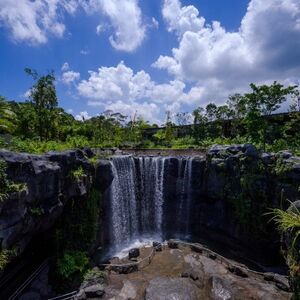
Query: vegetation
[(76, 233), (77, 174), (38, 125), (288, 223), (72, 262), (6, 256), (6, 186)]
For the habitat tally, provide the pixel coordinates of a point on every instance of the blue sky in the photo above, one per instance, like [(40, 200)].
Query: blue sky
[(147, 56)]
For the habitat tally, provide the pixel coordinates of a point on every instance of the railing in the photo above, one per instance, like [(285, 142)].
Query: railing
[(68, 296), (23, 286)]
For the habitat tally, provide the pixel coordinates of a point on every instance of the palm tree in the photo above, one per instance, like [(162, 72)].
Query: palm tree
[(7, 117)]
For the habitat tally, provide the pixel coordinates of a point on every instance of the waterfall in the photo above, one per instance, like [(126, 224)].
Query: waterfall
[(124, 225), (136, 195), (184, 188)]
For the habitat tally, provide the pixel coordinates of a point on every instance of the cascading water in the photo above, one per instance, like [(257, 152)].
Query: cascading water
[(137, 198), (184, 192), (124, 223)]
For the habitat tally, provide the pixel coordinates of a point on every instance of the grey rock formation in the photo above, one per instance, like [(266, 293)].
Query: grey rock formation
[(171, 289), (49, 185)]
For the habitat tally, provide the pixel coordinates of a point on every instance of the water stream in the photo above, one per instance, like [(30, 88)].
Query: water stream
[(137, 198)]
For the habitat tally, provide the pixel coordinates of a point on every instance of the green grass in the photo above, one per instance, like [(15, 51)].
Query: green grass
[(287, 221)]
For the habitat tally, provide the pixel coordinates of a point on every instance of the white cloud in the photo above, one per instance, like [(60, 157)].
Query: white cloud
[(181, 19), (33, 21), (83, 115), (125, 17), (84, 52), (70, 76), (100, 28), (65, 67), (266, 47), (121, 89), (155, 23)]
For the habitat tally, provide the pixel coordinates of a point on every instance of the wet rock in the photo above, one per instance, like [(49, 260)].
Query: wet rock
[(134, 253), (94, 291), (126, 269), (172, 244), (171, 288), (196, 248), (157, 246), (212, 256), (238, 271)]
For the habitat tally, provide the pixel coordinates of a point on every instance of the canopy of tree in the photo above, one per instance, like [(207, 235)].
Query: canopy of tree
[(38, 124)]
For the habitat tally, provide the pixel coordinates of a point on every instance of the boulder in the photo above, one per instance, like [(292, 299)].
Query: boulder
[(170, 289), (157, 246), (134, 253), (94, 291), (172, 244)]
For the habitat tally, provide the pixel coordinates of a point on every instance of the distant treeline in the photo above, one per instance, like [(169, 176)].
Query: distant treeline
[(39, 124)]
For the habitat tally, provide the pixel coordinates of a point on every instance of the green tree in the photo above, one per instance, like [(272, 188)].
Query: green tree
[(43, 97), (26, 119), (7, 117), (237, 106), (199, 124), (261, 102), (214, 127)]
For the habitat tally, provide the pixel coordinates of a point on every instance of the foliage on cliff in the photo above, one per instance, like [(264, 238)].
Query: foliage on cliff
[(76, 233), (6, 186), (288, 223)]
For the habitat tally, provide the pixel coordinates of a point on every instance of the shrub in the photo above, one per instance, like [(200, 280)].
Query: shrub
[(72, 262), (5, 257), (77, 174)]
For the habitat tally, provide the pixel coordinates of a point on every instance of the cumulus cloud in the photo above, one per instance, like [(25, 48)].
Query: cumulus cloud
[(264, 48), (181, 19), (33, 21), (125, 17), (70, 76), (121, 89)]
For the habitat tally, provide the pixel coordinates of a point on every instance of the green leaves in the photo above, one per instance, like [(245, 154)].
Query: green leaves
[(7, 117), (72, 262)]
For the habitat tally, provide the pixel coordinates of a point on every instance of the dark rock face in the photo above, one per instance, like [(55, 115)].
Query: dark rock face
[(230, 190), (49, 185)]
